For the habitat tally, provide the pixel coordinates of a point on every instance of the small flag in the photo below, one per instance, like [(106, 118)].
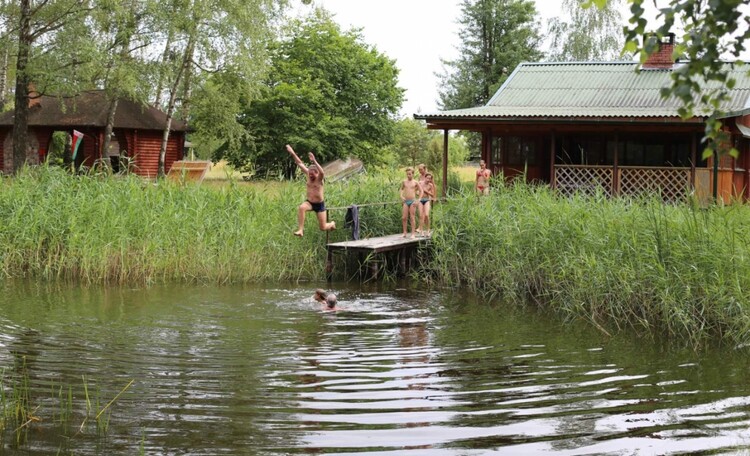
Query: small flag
[(77, 138)]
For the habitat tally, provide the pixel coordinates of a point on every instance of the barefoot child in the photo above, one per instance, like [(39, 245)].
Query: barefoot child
[(314, 200), (425, 204), (422, 170), (483, 179), (410, 191)]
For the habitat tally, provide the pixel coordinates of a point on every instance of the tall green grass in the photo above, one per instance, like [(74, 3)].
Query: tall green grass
[(125, 230), (676, 270)]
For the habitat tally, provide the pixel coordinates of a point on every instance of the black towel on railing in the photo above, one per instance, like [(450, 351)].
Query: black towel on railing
[(352, 220)]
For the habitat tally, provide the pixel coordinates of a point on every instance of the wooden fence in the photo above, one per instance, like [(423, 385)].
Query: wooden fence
[(673, 184)]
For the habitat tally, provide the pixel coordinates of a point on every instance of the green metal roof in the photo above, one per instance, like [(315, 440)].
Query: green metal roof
[(589, 89)]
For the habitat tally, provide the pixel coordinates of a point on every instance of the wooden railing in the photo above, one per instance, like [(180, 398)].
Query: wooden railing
[(673, 184), (589, 180)]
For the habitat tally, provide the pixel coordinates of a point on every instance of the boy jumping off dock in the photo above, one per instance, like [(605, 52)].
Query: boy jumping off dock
[(314, 200)]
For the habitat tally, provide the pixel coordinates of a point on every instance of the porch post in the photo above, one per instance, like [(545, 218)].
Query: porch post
[(445, 162), (615, 167), (715, 159), (99, 145), (693, 155), (552, 148), (486, 141)]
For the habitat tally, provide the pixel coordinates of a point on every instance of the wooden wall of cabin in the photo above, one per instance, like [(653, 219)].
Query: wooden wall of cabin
[(732, 173), (38, 141), (145, 151), (43, 135)]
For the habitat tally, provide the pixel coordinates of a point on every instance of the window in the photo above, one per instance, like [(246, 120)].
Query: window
[(514, 151), (653, 155), (496, 157)]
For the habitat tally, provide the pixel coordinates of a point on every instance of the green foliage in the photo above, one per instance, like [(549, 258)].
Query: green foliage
[(458, 152), (411, 142), (229, 62), (328, 92), (415, 144), (591, 34), (711, 31), (77, 45), (675, 270), (93, 229), (497, 35)]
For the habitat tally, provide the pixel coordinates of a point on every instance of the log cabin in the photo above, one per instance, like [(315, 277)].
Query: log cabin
[(137, 133), (604, 127)]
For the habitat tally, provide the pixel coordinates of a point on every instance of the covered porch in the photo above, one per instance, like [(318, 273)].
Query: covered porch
[(612, 158)]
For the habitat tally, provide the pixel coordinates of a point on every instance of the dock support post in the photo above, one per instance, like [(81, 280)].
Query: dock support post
[(329, 265)]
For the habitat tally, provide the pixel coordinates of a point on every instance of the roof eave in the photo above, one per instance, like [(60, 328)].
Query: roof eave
[(553, 119)]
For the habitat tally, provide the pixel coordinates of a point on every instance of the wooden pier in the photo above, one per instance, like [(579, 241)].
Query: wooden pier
[(404, 246)]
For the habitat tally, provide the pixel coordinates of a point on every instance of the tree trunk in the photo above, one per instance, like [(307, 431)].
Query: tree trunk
[(186, 62), (21, 119), (68, 152), (164, 60), (187, 88), (108, 129), (4, 79)]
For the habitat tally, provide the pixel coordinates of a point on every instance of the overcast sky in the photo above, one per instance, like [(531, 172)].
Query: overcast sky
[(418, 34)]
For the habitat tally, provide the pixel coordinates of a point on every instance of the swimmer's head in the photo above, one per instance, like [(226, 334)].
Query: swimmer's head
[(320, 295), (331, 300)]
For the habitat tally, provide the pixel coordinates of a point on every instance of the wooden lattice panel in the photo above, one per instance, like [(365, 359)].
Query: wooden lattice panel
[(588, 180), (672, 184)]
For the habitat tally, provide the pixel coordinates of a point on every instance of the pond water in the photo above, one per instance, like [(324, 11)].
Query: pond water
[(261, 370)]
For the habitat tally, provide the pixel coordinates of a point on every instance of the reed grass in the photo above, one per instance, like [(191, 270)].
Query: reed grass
[(23, 409), (94, 229), (677, 270)]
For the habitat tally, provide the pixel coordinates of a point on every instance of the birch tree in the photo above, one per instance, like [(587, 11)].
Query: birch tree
[(214, 42), (587, 34), (6, 59), (122, 29)]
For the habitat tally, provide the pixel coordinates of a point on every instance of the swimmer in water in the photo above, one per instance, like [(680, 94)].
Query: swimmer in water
[(329, 299)]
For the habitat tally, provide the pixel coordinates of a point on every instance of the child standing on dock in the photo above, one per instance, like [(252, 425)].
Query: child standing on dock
[(410, 191), (425, 204), (314, 200), (422, 178)]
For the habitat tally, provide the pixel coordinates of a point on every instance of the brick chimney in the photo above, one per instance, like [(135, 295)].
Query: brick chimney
[(661, 58), (35, 99)]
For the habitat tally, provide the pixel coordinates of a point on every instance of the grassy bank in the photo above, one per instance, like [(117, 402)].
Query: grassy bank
[(667, 269), (672, 270)]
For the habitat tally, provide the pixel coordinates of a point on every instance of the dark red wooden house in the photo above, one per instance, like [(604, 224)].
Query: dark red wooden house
[(604, 127), (136, 140)]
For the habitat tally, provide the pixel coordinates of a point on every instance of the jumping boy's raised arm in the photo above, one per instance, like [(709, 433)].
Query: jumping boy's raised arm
[(296, 159)]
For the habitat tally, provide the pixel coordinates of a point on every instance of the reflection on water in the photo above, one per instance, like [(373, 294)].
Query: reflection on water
[(261, 370)]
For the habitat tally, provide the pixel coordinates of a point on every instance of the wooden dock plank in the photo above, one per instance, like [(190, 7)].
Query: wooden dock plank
[(379, 244)]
